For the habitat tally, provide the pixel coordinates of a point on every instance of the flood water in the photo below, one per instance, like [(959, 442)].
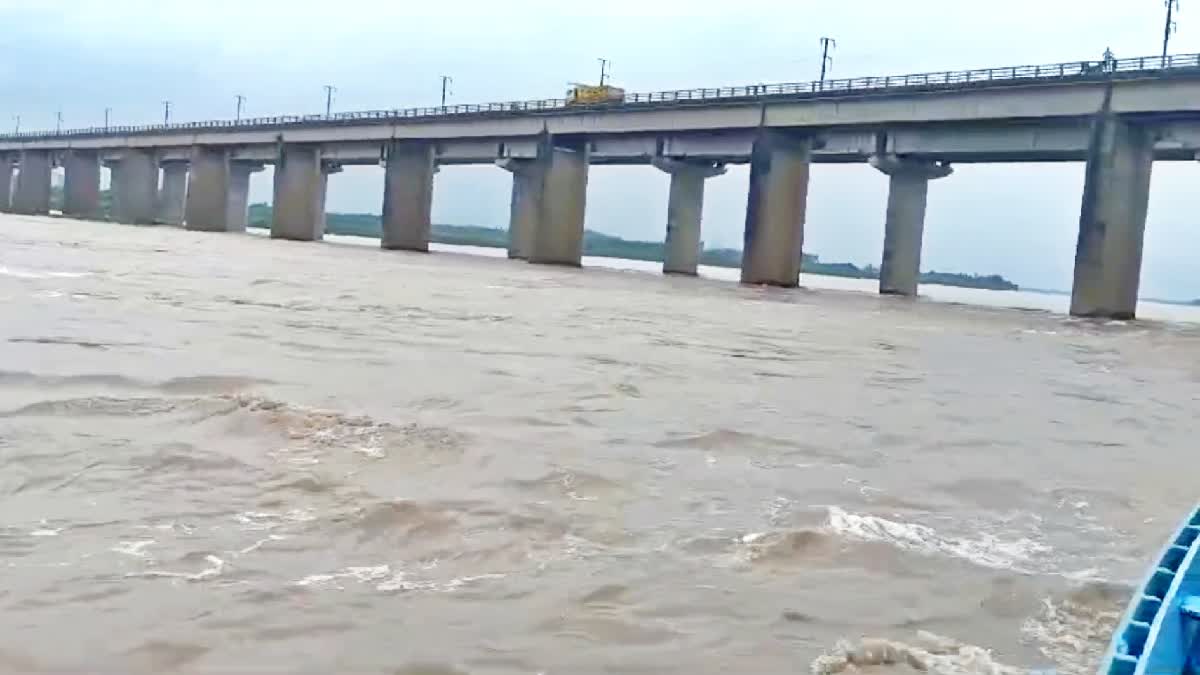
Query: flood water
[(223, 453)]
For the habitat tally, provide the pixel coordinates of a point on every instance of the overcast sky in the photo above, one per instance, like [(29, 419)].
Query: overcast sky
[(82, 56)]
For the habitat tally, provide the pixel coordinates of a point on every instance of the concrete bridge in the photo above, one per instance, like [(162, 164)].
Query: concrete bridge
[(1117, 116)]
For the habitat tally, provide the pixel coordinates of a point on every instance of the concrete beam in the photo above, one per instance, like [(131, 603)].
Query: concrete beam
[(172, 196), (81, 184), (563, 170), (1043, 100), (301, 177), (904, 226), (407, 196), (1112, 219), (135, 187), (684, 208), (32, 195), (775, 209), (6, 182), (525, 207)]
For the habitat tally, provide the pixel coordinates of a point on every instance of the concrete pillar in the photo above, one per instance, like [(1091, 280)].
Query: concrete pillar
[(237, 206), (218, 191), (408, 196), (525, 206), (6, 182), (32, 195), (1112, 219), (135, 187), (563, 170), (684, 208), (172, 196), (908, 189), (774, 234), (298, 210), (81, 184)]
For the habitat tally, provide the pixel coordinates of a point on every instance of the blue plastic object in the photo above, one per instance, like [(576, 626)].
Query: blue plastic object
[(1160, 633)]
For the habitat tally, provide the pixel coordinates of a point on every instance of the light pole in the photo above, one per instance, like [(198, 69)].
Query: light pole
[(17, 130), (166, 112), (1172, 7), (107, 112), (240, 100), (446, 82), (605, 70), (826, 59), (329, 89), (58, 122)]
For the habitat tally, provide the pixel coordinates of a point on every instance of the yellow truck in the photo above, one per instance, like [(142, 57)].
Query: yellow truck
[(589, 94)]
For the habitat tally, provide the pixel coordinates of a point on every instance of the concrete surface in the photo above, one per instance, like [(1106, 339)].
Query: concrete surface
[(904, 224), (407, 196), (685, 206), (299, 203), (32, 192), (525, 206), (1112, 220), (558, 239), (775, 208), (135, 187), (172, 196), (81, 184)]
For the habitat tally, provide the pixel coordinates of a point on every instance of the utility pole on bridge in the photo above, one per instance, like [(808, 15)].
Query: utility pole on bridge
[(446, 82), (240, 100), (1172, 6), (605, 70), (826, 59), (107, 112), (166, 112), (329, 89)]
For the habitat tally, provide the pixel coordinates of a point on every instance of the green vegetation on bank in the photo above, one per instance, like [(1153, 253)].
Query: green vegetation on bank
[(607, 246)]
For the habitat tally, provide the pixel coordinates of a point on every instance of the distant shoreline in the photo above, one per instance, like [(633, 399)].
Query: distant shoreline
[(602, 245)]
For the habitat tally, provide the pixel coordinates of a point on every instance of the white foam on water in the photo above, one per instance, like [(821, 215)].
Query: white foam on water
[(1073, 634), (19, 273), (359, 574), (265, 520), (400, 582), (136, 549), (259, 544), (930, 654), (986, 550), (218, 566), (46, 532)]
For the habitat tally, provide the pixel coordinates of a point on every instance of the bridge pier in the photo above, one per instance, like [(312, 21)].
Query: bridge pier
[(81, 184), (408, 196), (172, 197), (238, 204), (904, 226), (1112, 219), (775, 208), (684, 208), (218, 191), (135, 187), (32, 195), (6, 182), (525, 206), (563, 169), (298, 206)]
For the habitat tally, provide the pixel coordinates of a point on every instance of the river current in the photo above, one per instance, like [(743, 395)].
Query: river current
[(224, 453)]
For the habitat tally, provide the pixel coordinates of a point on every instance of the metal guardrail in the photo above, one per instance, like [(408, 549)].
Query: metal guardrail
[(945, 80)]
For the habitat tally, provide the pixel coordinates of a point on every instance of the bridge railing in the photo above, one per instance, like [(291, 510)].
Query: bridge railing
[(959, 79)]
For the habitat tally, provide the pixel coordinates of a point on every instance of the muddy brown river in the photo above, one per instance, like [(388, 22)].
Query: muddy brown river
[(223, 453)]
